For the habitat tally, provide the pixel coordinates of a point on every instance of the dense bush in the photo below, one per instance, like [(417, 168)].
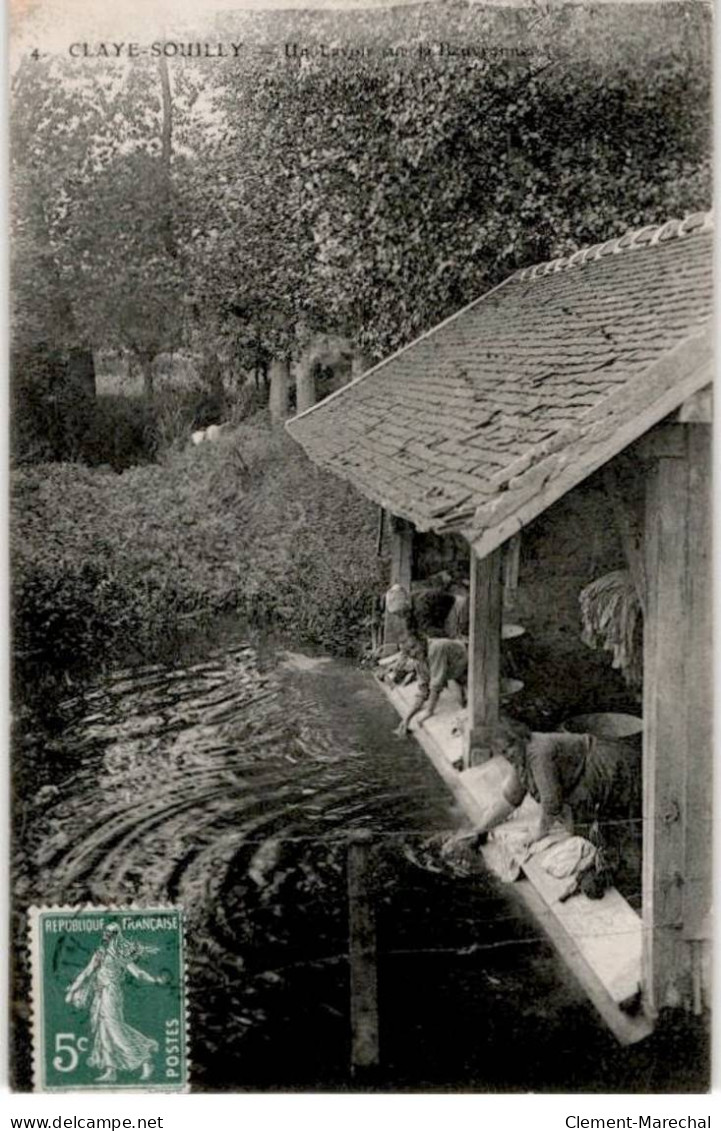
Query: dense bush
[(105, 564), (121, 430)]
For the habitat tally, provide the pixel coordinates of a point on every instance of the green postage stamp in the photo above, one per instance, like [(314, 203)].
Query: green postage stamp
[(108, 999)]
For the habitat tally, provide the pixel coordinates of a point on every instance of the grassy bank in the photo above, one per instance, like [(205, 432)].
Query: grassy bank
[(106, 565)]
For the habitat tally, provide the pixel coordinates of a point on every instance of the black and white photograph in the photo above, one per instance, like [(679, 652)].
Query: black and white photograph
[(360, 456)]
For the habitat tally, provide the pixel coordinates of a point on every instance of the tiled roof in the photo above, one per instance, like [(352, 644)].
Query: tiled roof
[(532, 386)]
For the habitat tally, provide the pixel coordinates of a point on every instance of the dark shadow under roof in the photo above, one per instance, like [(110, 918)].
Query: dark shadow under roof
[(488, 418)]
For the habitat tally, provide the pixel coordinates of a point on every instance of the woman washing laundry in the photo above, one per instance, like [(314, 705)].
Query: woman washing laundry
[(437, 660), (576, 778)]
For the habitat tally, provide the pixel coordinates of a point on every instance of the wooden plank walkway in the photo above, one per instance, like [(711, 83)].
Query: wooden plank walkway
[(599, 940)]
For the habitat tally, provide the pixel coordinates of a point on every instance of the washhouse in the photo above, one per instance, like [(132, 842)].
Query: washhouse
[(548, 449)]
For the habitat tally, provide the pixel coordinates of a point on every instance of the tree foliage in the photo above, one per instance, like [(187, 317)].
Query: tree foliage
[(434, 154), (95, 203), (108, 565), (407, 161)]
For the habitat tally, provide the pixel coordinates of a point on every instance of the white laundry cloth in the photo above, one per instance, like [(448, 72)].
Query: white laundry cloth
[(569, 857)]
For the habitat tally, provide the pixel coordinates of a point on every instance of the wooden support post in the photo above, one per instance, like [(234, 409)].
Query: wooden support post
[(381, 527), (279, 381), (401, 572), (511, 567), (484, 654), (698, 877), (665, 752), (305, 388), (363, 959)]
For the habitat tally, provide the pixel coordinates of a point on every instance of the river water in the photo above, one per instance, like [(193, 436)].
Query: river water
[(230, 785)]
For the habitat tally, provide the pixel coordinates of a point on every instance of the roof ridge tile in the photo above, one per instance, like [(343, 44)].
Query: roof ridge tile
[(648, 236)]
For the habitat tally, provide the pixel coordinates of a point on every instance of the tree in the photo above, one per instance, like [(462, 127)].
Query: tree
[(93, 150), (397, 165), (398, 178)]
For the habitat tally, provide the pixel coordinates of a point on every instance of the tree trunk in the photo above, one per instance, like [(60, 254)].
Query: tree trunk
[(166, 142), (212, 378), (360, 363), (145, 364), (305, 387), (279, 382)]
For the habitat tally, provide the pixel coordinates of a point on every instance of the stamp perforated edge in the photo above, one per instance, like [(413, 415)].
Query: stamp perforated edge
[(36, 1012)]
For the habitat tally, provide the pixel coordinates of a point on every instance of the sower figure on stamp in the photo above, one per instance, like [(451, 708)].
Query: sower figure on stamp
[(116, 1045), (437, 660)]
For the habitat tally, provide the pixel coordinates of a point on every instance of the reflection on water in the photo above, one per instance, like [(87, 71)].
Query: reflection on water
[(230, 786), (172, 774)]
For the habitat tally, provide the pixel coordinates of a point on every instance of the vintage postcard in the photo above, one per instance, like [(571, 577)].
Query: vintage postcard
[(361, 363)]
